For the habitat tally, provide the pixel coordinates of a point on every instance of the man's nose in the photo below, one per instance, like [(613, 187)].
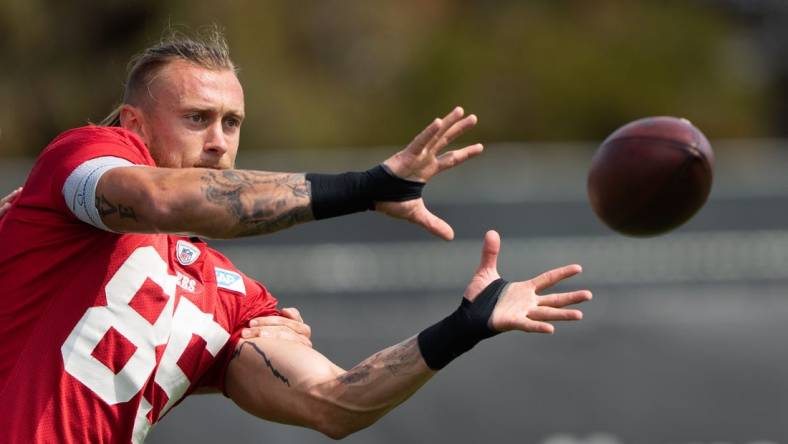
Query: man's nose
[(215, 140)]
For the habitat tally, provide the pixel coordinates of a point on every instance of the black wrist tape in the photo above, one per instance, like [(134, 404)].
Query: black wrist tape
[(338, 194), (461, 330)]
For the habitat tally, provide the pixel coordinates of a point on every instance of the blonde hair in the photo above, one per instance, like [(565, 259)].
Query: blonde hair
[(209, 50)]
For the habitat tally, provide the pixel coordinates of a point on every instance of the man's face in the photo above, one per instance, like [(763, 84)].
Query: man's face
[(192, 117)]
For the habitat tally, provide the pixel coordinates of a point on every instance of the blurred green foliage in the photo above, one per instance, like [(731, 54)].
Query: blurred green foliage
[(365, 73)]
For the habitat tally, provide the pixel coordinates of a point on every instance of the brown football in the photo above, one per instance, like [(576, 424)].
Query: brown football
[(650, 176)]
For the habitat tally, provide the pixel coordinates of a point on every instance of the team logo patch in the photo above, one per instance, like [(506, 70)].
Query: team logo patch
[(186, 253), (229, 280)]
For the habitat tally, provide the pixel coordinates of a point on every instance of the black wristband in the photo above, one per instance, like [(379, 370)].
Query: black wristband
[(461, 330), (337, 194)]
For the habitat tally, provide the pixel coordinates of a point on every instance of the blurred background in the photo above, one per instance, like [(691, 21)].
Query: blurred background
[(682, 341)]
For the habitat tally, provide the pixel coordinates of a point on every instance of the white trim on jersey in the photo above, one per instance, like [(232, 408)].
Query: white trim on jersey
[(79, 190)]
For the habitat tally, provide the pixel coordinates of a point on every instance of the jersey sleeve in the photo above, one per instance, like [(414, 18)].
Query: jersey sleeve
[(74, 148), (258, 302), (79, 190)]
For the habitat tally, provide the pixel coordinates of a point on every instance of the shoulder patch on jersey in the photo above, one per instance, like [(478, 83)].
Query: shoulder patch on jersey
[(186, 253), (229, 280)]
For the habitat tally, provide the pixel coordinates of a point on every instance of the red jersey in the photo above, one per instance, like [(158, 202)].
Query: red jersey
[(102, 333)]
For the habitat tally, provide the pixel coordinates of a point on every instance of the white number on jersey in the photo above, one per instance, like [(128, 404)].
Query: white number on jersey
[(172, 327)]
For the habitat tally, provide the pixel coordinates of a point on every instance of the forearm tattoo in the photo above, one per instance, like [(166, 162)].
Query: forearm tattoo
[(395, 360), (267, 361), (259, 202), (106, 208)]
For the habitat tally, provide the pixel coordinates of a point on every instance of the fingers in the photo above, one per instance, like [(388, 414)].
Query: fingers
[(422, 141), (521, 308), (454, 116), (490, 250), (453, 130), (10, 198), (7, 201), (532, 326), (449, 122), (432, 223), (554, 314), (425, 137), (292, 313), (289, 327), (276, 332), (456, 157), (554, 276), (441, 132), (279, 321), (559, 300)]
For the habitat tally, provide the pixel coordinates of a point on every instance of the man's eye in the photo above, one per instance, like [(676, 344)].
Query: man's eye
[(232, 123), (196, 118)]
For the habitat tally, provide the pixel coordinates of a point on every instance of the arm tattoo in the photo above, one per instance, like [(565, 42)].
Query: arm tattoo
[(396, 360), (106, 208), (260, 202), (126, 212), (267, 361), (359, 373)]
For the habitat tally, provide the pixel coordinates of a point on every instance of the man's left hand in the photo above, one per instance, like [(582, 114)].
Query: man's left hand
[(422, 159), (289, 327), (6, 202), (519, 307)]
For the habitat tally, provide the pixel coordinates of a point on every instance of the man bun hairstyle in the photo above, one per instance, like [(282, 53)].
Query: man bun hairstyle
[(207, 49)]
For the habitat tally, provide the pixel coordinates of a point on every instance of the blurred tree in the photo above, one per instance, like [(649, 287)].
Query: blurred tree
[(766, 22), (359, 73)]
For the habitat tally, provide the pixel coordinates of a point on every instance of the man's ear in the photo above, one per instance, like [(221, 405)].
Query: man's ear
[(132, 119)]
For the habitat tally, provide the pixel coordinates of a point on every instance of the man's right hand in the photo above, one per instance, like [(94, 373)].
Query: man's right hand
[(422, 159), (6, 202)]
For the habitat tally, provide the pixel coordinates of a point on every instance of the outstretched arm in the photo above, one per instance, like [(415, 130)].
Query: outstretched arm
[(234, 203), (297, 385), (199, 201), (293, 384)]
